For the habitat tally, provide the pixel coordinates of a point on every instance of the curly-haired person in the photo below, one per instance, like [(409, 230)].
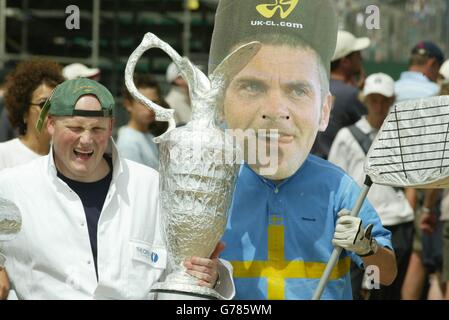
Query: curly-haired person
[(27, 88)]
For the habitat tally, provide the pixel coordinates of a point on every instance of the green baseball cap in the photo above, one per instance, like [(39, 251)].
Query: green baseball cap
[(65, 95), (313, 22)]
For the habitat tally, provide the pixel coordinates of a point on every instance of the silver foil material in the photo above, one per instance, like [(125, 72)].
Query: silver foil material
[(10, 220), (195, 197), (198, 165)]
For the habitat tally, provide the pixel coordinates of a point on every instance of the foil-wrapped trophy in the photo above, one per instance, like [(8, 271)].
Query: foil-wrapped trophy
[(198, 165), (10, 223)]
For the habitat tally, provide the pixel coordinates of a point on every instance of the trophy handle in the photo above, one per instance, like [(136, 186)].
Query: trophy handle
[(234, 63), (231, 65), (149, 41), (198, 82)]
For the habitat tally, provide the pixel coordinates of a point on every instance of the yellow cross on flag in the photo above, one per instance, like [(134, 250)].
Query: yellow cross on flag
[(276, 269)]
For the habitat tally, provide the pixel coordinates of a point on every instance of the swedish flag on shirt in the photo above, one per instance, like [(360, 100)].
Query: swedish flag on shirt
[(278, 237)]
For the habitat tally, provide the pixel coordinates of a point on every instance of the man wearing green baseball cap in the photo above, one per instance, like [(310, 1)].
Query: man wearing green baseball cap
[(90, 221), (283, 223), (76, 106)]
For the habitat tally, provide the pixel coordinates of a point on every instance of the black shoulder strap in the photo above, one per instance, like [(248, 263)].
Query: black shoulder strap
[(365, 142), (363, 139)]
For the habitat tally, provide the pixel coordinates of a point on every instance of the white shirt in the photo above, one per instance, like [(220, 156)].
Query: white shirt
[(391, 205), (51, 258), (179, 101), (14, 152)]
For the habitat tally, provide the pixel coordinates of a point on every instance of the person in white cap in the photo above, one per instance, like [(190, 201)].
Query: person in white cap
[(349, 152), (78, 70), (346, 65), (348, 55), (178, 97)]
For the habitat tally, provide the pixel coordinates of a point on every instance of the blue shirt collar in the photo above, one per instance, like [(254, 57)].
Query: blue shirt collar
[(414, 75), (269, 182)]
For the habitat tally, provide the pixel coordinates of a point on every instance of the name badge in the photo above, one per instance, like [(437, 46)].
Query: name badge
[(156, 256)]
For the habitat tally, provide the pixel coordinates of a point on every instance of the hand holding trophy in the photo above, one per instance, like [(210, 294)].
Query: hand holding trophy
[(198, 165)]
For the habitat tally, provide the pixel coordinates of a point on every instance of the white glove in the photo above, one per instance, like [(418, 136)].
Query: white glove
[(349, 235)]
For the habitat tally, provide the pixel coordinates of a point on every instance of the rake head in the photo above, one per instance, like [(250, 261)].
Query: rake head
[(412, 147)]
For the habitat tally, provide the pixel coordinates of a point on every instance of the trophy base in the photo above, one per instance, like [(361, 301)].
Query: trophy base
[(181, 291)]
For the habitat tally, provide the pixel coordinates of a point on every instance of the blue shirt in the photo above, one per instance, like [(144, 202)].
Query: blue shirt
[(414, 85), (138, 146), (279, 237)]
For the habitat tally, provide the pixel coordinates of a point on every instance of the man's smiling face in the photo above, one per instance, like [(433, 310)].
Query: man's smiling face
[(80, 142)]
